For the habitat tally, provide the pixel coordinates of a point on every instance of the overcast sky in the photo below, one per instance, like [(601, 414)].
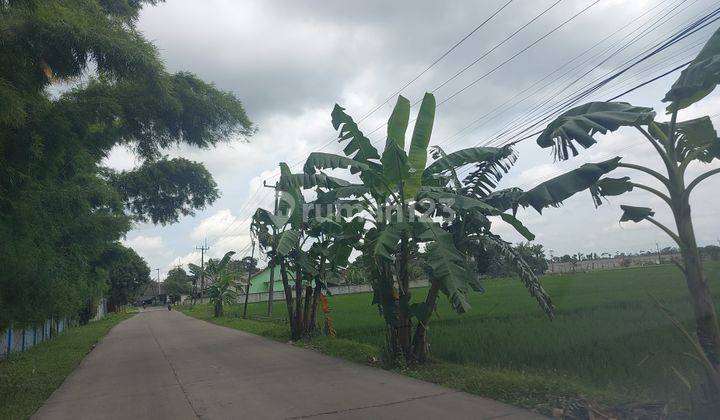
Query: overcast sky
[(291, 61)]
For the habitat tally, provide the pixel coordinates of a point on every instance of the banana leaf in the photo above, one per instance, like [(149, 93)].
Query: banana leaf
[(417, 156), (635, 214), (398, 122), (698, 79), (464, 203), (554, 191), (288, 242), (579, 124), (464, 157), (610, 187), (319, 160), (448, 267), (358, 146), (388, 239), (395, 163), (697, 137), (306, 181)]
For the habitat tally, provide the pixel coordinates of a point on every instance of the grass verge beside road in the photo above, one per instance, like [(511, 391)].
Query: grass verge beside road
[(27, 379)]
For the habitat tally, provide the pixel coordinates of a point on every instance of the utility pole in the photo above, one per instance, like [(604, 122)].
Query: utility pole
[(271, 286), (247, 288), (158, 284), (202, 250), (657, 245)]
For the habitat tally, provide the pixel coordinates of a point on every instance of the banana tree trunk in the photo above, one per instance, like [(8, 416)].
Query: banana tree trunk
[(708, 331), (306, 310), (313, 311), (297, 318), (218, 309), (404, 317), (288, 296), (421, 347)]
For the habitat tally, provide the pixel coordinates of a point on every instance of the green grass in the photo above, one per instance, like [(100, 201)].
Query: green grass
[(608, 340), (27, 379)]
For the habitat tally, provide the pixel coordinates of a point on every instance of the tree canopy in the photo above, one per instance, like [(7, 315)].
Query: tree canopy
[(61, 210)]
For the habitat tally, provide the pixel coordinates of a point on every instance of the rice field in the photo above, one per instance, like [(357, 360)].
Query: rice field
[(608, 336)]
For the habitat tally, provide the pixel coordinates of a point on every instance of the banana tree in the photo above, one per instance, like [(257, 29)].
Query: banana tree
[(223, 287), (678, 144), (391, 184), (304, 244)]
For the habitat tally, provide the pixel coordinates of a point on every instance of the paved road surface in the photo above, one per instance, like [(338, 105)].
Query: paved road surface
[(165, 365)]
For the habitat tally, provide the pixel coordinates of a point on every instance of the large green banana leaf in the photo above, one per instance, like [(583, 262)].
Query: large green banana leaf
[(464, 157), (320, 160), (306, 181), (525, 273), (696, 137), (699, 78), (417, 156), (448, 267), (395, 164), (224, 261), (482, 181), (359, 146), (398, 122), (292, 200), (506, 199), (288, 241), (579, 124), (554, 191), (269, 219), (465, 203), (610, 187), (388, 239)]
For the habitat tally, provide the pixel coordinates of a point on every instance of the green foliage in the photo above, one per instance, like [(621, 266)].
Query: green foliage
[(177, 283), (164, 190), (678, 144), (580, 123), (128, 274), (61, 212), (554, 191), (635, 214), (391, 184), (698, 79), (417, 155)]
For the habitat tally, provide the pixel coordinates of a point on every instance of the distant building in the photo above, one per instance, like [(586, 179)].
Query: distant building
[(260, 281)]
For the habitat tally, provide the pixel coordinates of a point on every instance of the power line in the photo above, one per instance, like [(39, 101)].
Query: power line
[(511, 103), (659, 18), (436, 61), (574, 98), (519, 53), (485, 54), (556, 28)]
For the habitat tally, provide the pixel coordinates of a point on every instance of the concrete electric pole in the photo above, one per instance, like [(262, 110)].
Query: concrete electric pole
[(202, 250)]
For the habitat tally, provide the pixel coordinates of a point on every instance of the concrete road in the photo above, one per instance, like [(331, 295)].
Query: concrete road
[(165, 365)]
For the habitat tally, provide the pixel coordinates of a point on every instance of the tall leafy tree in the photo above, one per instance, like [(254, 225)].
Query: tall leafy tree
[(60, 209), (177, 283), (128, 274)]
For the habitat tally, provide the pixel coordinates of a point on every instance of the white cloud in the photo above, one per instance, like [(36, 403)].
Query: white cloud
[(149, 247)]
